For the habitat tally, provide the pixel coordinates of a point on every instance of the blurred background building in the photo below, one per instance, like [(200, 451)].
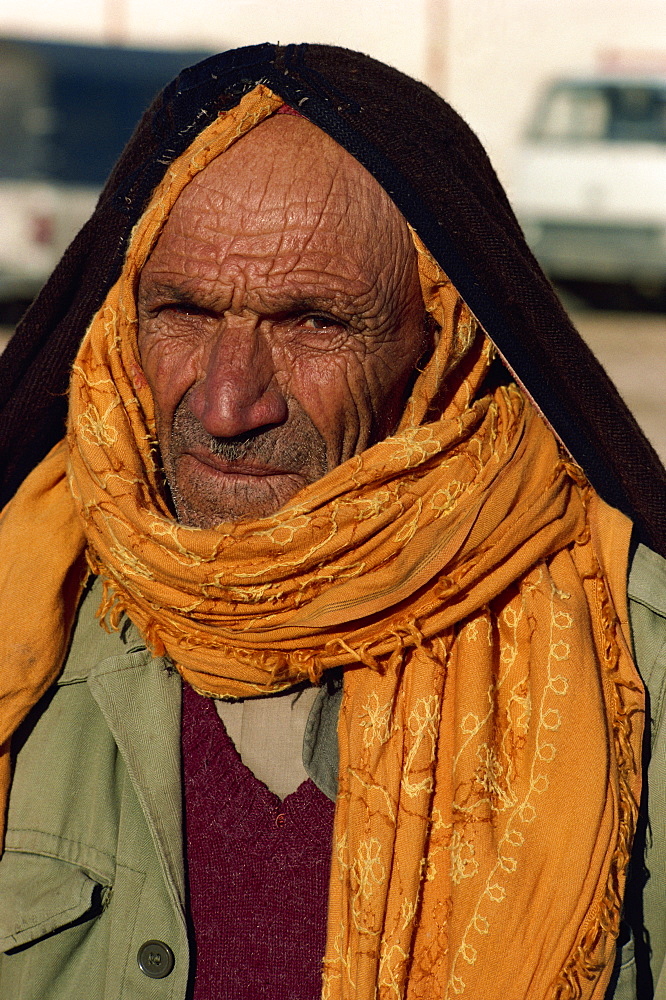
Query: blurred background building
[(568, 96)]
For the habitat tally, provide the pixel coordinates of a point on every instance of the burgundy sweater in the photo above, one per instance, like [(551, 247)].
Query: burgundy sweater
[(257, 871)]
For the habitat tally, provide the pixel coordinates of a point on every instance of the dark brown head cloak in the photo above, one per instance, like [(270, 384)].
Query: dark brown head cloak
[(436, 172)]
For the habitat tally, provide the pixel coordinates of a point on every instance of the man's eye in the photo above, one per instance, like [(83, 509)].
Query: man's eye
[(173, 308), (182, 309), (318, 322)]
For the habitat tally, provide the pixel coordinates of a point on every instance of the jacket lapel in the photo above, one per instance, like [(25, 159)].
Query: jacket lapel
[(140, 698)]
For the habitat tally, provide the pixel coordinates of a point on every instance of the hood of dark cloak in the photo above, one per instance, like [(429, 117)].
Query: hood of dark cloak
[(439, 176)]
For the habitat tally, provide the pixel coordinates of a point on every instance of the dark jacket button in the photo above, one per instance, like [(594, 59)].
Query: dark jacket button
[(155, 959)]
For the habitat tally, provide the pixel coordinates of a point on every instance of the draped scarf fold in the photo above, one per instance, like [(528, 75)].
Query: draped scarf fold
[(467, 579)]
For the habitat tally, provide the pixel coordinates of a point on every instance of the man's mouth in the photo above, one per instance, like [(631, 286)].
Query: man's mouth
[(212, 479), (246, 466)]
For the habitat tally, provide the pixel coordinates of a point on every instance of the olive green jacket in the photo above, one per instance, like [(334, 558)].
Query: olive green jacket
[(647, 609), (92, 887)]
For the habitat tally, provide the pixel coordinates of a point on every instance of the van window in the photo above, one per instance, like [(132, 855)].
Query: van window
[(89, 135), (67, 111), (626, 112)]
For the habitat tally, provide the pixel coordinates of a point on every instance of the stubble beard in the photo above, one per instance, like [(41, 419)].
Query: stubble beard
[(296, 449)]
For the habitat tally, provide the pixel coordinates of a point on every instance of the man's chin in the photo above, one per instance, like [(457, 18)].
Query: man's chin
[(213, 500)]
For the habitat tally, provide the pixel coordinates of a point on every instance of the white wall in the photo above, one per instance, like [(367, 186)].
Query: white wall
[(391, 30)]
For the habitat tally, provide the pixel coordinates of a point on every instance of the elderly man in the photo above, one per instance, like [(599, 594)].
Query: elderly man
[(329, 654)]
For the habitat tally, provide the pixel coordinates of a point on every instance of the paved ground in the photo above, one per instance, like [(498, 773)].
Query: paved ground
[(632, 348)]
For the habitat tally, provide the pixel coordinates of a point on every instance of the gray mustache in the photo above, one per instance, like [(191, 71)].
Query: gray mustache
[(187, 429), (233, 449), (295, 447)]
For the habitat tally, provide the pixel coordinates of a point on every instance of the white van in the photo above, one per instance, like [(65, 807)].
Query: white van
[(590, 187), (66, 111)]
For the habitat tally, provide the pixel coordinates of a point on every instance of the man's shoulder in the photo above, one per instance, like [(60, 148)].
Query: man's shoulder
[(647, 580)]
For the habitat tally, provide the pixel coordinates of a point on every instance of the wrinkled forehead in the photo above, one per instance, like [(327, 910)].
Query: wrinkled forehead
[(239, 150), (287, 185), (286, 149)]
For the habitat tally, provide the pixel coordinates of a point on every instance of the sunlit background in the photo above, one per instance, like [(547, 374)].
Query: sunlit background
[(487, 57), (490, 59)]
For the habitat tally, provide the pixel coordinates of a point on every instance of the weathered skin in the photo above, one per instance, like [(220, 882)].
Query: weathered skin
[(280, 322)]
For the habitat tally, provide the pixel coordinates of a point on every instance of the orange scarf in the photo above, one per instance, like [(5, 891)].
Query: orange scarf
[(468, 579)]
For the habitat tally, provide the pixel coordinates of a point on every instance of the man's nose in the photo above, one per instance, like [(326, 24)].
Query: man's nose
[(237, 391)]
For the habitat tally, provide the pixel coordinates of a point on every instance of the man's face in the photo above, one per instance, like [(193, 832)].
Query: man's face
[(280, 320)]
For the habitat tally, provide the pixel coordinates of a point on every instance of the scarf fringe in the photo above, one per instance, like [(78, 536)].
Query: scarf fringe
[(282, 669)]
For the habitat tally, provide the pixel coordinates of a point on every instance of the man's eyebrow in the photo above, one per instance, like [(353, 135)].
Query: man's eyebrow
[(307, 303), (166, 290)]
